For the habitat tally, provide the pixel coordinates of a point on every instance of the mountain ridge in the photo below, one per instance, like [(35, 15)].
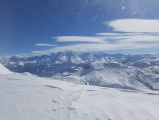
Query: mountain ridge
[(83, 68)]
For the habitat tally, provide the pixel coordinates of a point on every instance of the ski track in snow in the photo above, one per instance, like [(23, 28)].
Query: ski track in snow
[(29, 97)]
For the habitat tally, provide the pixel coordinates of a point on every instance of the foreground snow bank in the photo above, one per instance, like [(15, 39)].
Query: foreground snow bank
[(4, 70), (27, 97)]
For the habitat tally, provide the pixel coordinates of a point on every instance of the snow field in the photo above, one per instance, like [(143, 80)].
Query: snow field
[(29, 97)]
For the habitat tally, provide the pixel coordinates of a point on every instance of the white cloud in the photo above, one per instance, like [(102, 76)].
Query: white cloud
[(126, 34), (43, 44), (134, 25), (98, 47), (117, 34), (132, 38), (40, 52), (79, 39), (133, 30), (139, 38)]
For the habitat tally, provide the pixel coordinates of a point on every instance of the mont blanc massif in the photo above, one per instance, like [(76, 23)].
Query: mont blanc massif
[(87, 86)]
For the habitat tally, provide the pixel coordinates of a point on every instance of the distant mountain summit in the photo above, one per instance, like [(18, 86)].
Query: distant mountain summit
[(45, 65), (93, 68), (65, 57), (50, 65)]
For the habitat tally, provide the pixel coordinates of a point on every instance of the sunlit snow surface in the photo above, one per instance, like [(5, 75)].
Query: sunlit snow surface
[(113, 75), (4, 70), (27, 97)]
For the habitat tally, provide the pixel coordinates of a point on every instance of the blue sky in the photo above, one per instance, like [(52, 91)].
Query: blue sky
[(37, 27)]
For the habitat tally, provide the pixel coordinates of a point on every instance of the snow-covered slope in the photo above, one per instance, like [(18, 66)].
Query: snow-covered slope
[(4, 70), (115, 75), (26, 97)]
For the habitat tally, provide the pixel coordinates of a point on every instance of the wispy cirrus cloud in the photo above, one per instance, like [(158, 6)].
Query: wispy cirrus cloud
[(117, 34), (79, 39), (98, 47), (140, 38), (43, 44), (126, 34)]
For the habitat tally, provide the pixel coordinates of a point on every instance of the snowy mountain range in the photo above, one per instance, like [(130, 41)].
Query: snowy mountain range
[(100, 69)]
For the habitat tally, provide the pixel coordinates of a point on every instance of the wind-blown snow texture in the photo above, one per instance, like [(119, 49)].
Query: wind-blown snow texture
[(27, 97)]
